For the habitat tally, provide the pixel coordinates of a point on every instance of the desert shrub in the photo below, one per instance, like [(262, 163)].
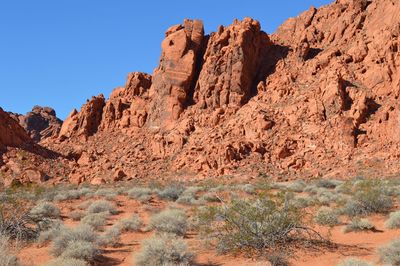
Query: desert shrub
[(80, 249), (327, 216), (107, 193), (49, 234), (210, 197), (359, 225), (260, 225), (189, 196), (171, 192), (394, 220), (67, 237), (66, 262), (218, 188), (96, 220), (139, 193), (248, 188), (76, 215), (390, 253), (130, 224), (354, 262), (344, 188), (369, 197), (172, 221), (45, 210), (110, 238), (302, 202), (278, 259), (84, 205), (102, 206), (7, 258), (164, 250), (326, 183), (67, 195), (297, 186)]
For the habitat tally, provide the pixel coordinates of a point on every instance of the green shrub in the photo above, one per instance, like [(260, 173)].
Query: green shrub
[(6, 256), (96, 220), (255, 226), (130, 224), (172, 221), (359, 225), (102, 206), (164, 250), (327, 216), (394, 220), (354, 262), (45, 210), (369, 197), (390, 253)]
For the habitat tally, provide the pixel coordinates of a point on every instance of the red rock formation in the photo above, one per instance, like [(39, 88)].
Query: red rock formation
[(174, 77), (231, 64), (85, 122), (11, 133), (40, 123), (318, 97)]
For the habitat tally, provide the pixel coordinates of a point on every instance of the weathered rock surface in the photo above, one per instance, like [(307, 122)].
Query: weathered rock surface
[(318, 97), (40, 123), (11, 133)]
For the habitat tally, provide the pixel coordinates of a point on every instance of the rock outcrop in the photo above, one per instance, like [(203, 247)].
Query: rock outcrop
[(174, 77), (11, 133), (40, 123), (318, 97)]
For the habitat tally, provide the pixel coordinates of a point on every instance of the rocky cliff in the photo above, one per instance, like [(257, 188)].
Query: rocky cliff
[(318, 97)]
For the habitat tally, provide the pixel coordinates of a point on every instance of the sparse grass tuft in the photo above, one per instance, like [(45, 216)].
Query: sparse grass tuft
[(139, 193), (171, 192), (172, 221), (110, 238), (164, 250)]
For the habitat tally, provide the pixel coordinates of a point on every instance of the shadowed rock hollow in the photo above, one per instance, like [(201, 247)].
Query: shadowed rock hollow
[(317, 97)]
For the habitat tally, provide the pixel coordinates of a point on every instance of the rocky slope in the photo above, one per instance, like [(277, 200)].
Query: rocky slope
[(317, 97)]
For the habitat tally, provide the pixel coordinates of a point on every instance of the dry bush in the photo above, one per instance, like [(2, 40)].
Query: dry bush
[(327, 216), (172, 221), (7, 258), (394, 220), (357, 224), (45, 210), (95, 220), (390, 253), (102, 206), (110, 238), (164, 250), (66, 262), (130, 224)]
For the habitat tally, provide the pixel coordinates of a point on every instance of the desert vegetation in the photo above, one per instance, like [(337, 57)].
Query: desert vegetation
[(264, 220)]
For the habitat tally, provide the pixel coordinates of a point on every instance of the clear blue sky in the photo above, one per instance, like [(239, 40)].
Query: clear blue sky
[(58, 53)]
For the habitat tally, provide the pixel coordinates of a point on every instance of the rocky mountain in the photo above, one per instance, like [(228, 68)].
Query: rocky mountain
[(319, 97)]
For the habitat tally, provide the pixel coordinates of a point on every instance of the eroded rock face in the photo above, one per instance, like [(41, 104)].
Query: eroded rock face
[(231, 65), (174, 77), (40, 123), (84, 123), (318, 97), (11, 133)]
